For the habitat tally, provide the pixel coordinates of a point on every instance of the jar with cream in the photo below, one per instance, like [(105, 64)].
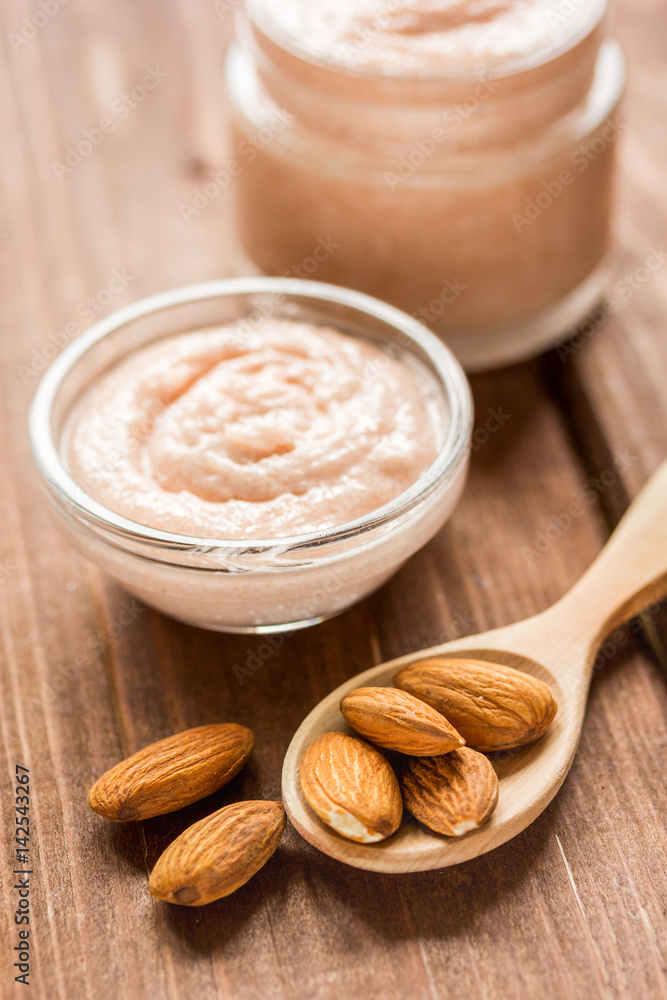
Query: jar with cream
[(451, 157)]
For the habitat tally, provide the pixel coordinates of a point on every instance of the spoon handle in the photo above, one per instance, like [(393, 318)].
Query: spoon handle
[(631, 571)]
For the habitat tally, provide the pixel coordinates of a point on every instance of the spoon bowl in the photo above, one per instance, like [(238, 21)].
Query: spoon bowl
[(559, 647)]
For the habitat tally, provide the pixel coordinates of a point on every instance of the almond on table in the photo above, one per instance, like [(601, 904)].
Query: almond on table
[(492, 706), (398, 721), (219, 854), (172, 773), (351, 787), (451, 794)]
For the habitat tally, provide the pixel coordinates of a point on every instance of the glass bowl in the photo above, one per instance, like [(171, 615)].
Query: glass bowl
[(258, 584)]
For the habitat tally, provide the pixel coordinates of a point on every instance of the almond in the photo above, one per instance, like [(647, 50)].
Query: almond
[(218, 855), (493, 707), (399, 721), (451, 794), (172, 773), (351, 787)]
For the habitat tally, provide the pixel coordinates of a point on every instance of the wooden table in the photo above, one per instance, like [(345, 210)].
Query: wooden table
[(572, 908)]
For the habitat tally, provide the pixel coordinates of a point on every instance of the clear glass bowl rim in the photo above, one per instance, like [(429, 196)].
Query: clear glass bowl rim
[(451, 376)]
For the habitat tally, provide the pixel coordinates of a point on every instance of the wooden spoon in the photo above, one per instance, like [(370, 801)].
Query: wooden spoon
[(559, 646)]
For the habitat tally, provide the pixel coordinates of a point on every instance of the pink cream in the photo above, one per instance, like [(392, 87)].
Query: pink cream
[(233, 433)]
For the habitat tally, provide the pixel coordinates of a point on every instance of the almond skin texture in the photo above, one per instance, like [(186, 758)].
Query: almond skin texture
[(217, 855), (493, 707), (451, 794), (397, 720), (172, 773), (351, 787)]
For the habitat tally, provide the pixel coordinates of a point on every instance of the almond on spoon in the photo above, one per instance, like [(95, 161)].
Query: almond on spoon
[(451, 794), (351, 787), (398, 721), (493, 707)]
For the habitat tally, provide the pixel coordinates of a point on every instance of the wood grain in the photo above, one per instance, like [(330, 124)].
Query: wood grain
[(573, 907)]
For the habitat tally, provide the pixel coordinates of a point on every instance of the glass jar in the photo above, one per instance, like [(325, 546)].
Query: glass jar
[(454, 159)]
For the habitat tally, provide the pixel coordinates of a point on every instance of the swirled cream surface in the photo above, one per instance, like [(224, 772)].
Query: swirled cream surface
[(282, 429), (427, 37)]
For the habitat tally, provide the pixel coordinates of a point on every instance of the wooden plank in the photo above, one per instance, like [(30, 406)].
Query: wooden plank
[(572, 908), (618, 367), (610, 378)]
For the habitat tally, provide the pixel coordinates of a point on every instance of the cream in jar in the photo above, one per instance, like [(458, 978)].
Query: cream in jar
[(457, 156), (282, 430)]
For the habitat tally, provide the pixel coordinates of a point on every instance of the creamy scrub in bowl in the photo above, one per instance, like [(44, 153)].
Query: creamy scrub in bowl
[(254, 454), (285, 430)]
